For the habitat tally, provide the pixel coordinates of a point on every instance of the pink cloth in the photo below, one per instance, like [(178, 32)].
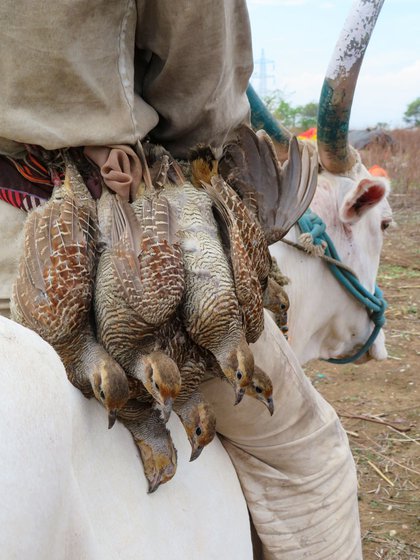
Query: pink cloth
[(120, 168)]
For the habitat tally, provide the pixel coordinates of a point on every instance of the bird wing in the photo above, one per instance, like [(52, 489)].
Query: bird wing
[(53, 290), (125, 250), (234, 224), (161, 262), (277, 194), (146, 259)]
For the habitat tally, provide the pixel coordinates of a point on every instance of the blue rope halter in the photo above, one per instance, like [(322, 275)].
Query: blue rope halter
[(375, 303)]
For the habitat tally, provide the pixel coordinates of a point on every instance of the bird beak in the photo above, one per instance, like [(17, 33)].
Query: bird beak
[(112, 416), (166, 409), (239, 395), (154, 484), (196, 453), (270, 405)]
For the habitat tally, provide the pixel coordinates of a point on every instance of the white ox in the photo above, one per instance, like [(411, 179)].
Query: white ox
[(325, 321)]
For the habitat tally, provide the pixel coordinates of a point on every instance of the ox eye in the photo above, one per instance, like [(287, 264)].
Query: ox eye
[(198, 431), (385, 224), (258, 389), (238, 375), (156, 386)]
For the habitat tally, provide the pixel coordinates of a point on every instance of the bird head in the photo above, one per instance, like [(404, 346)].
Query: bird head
[(110, 386), (204, 164), (162, 380), (199, 421), (238, 368), (159, 462), (261, 388)]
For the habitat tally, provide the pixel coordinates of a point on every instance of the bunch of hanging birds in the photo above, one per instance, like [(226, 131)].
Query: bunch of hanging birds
[(144, 300)]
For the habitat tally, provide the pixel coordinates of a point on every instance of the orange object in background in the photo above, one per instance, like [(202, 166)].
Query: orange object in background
[(378, 171), (309, 134)]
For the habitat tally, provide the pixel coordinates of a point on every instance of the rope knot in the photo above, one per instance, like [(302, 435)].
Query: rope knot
[(312, 237)]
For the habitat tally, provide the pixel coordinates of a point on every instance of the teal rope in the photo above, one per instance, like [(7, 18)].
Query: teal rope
[(375, 303)]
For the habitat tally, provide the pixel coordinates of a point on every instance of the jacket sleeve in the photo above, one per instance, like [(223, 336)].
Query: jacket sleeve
[(192, 65)]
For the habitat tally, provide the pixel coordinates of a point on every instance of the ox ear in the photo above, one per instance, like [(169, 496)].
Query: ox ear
[(362, 198)]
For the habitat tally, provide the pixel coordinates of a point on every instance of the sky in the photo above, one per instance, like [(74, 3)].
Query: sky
[(298, 37)]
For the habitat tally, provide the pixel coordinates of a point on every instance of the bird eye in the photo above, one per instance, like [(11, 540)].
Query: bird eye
[(282, 306), (198, 431), (156, 386), (258, 389), (238, 375), (102, 395)]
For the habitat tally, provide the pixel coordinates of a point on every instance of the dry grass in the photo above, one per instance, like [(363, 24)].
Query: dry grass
[(400, 159), (379, 401)]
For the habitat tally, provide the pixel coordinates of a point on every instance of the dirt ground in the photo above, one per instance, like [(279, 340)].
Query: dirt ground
[(387, 455)]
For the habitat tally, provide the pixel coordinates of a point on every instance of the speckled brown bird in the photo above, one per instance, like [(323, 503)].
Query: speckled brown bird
[(196, 415), (236, 228), (210, 309), (52, 294), (139, 285), (250, 231)]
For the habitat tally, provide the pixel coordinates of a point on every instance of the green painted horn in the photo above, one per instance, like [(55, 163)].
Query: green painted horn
[(262, 118), (340, 83)]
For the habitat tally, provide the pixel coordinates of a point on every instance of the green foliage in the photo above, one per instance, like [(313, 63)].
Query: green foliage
[(281, 109), (298, 118), (307, 115), (412, 114), (382, 125)]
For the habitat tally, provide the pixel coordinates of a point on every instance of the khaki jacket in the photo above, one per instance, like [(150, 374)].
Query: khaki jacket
[(100, 72)]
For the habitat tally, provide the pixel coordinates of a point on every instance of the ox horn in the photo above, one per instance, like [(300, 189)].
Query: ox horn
[(339, 85), (262, 118)]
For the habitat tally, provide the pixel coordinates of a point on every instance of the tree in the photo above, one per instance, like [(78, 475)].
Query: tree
[(307, 115), (281, 109), (412, 114), (298, 118)]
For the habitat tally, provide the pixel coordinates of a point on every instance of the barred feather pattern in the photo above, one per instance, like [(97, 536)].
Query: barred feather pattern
[(174, 340), (251, 232), (140, 280), (53, 290), (247, 284), (121, 329), (161, 264), (210, 308), (248, 287)]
